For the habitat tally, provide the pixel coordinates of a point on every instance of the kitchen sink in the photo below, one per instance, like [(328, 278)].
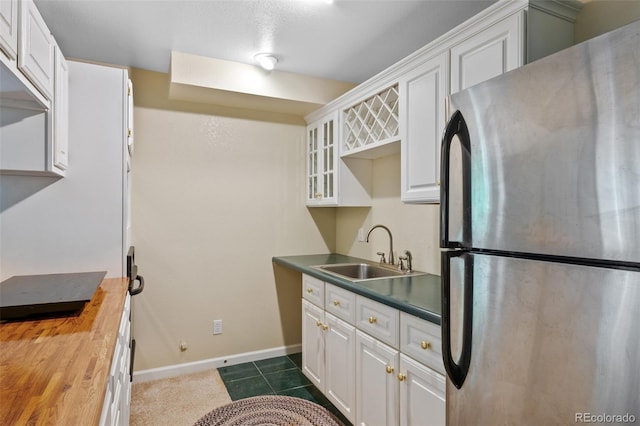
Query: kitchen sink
[(364, 271)]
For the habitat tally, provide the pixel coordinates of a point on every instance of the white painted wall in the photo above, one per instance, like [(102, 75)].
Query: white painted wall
[(74, 224)]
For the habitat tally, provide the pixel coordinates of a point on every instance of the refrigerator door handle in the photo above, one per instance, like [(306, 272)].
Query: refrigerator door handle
[(457, 371), (137, 290), (455, 127)]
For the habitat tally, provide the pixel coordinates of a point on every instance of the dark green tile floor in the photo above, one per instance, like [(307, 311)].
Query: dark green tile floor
[(274, 376)]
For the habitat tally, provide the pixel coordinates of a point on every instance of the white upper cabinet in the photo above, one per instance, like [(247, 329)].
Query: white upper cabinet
[(34, 99), (491, 52), (406, 102), (371, 125), (322, 154), (9, 28), (422, 111), (36, 49), (332, 181)]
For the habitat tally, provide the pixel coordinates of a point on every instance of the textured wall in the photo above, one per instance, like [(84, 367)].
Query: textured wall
[(601, 16), (216, 193)]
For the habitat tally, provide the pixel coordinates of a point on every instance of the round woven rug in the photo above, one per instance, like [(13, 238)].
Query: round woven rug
[(270, 410)]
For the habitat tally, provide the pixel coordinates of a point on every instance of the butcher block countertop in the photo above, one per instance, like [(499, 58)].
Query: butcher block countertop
[(55, 370)]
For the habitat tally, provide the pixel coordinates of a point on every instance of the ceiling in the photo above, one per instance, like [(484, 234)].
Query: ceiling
[(347, 40)]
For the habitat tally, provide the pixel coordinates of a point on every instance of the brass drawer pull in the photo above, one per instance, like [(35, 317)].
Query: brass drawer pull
[(309, 290), (425, 344), (336, 303), (373, 320)]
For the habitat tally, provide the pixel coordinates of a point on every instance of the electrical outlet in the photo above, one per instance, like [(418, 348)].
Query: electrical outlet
[(217, 326), (361, 235)]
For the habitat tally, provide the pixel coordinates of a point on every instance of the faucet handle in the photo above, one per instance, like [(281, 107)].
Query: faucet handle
[(401, 260), (382, 259), (408, 257)]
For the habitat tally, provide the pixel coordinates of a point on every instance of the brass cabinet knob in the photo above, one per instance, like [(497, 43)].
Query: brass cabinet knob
[(324, 327), (389, 369), (402, 377), (425, 344), (336, 303), (318, 323), (373, 320), (438, 182), (309, 290)]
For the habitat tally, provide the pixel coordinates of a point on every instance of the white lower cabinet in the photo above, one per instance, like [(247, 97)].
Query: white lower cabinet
[(422, 394), (340, 357), (377, 365), (376, 383), (313, 343), (328, 356), (115, 408)]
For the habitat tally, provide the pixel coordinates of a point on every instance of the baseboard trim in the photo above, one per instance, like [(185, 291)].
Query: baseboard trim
[(206, 364)]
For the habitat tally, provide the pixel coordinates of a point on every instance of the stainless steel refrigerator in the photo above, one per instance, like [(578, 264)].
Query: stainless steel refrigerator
[(540, 230)]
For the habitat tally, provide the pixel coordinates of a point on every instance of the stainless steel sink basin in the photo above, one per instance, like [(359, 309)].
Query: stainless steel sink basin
[(363, 271)]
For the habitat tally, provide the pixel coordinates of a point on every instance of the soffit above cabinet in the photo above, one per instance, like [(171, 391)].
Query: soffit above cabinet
[(214, 81)]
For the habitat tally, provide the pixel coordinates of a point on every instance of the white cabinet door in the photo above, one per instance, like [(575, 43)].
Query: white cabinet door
[(9, 28), (422, 395), (340, 351), (376, 383), (313, 364), (61, 113), (322, 160), (313, 164), (36, 50), (489, 53), (422, 113)]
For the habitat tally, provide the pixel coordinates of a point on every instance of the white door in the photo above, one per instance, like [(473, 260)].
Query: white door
[(422, 394), (376, 383), (491, 52), (313, 343), (340, 359), (422, 112)]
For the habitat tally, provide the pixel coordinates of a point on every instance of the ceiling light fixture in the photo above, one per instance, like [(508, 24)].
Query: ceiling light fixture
[(266, 60)]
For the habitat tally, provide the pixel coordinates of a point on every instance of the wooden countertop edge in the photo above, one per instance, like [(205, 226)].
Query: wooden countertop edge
[(55, 370)]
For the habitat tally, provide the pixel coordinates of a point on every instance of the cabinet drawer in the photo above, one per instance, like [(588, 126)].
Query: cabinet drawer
[(380, 321), (421, 340), (341, 303), (313, 290)]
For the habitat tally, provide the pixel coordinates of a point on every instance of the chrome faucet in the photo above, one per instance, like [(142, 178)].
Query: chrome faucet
[(391, 258)]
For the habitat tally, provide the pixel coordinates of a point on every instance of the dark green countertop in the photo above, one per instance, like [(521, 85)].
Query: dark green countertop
[(416, 295)]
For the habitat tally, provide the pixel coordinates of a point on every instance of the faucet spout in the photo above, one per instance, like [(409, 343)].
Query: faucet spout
[(391, 257)]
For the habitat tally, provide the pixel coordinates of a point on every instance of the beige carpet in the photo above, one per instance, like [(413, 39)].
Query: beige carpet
[(178, 400)]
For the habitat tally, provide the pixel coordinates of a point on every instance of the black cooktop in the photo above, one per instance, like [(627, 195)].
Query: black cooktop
[(24, 296)]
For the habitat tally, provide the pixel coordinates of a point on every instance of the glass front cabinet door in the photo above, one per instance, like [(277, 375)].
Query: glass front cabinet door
[(322, 158)]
